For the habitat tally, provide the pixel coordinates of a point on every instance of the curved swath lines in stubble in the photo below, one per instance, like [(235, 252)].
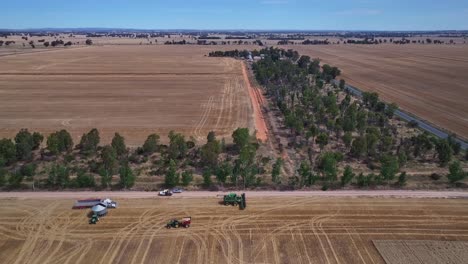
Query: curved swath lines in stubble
[(225, 113), (79, 249), (146, 222), (198, 129), (118, 238), (152, 226), (355, 246), (270, 235), (35, 234), (320, 229), (56, 232)]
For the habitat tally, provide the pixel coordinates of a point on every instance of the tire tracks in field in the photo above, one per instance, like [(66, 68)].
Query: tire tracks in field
[(201, 123)]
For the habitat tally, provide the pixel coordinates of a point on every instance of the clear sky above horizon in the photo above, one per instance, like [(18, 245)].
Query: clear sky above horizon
[(238, 14)]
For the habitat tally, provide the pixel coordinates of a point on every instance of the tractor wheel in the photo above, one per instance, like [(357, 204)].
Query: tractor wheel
[(187, 226), (226, 204), (168, 227), (176, 226)]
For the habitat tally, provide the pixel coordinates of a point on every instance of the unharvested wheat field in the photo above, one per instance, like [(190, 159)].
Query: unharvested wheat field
[(426, 80), (271, 229), (133, 90)]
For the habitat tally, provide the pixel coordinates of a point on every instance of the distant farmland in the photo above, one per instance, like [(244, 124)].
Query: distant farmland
[(427, 80), (133, 90)]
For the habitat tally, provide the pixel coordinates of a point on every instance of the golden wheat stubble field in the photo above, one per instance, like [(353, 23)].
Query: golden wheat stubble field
[(270, 230), (133, 90), (430, 81)]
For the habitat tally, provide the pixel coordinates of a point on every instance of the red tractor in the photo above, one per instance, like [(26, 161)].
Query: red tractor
[(174, 223)]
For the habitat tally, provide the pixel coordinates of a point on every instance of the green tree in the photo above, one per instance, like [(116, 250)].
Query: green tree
[(151, 144), (241, 137), (444, 152), (177, 145), (59, 176), (15, 180), (303, 62), (322, 140), (24, 144), (348, 176), (59, 141), (342, 84), (85, 180), (37, 140), (361, 123), (210, 151), (347, 139), (456, 172), (211, 136), (304, 172), (109, 159), (328, 165), (28, 170), (7, 152), (207, 178), (276, 171), (389, 167), (402, 179), (89, 142), (127, 178), (359, 147), (223, 172), (390, 110), (118, 143), (171, 178), (187, 178), (3, 177)]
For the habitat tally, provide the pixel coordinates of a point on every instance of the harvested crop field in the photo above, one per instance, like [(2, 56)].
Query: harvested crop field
[(133, 90), (271, 229), (422, 252), (429, 81)]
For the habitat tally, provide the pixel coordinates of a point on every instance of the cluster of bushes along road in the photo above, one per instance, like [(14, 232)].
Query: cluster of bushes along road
[(63, 165)]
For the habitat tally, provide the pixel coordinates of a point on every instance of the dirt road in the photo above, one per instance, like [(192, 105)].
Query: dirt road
[(257, 102), (201, 194)]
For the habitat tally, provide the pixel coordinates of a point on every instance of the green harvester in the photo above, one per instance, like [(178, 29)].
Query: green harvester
[(234, 200), (94, 219)]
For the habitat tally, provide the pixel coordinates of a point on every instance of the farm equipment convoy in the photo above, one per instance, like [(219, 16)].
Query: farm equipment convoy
[(234, 200), (174, 223), (98, 207)]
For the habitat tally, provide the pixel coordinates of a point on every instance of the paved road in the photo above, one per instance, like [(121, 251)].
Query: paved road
[(259, 194), (422, 124)]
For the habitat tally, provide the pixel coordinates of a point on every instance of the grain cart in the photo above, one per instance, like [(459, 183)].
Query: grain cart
[(174, 223), (234, 200)]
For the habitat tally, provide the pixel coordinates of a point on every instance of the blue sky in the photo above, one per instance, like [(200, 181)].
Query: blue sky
[(238, 14)]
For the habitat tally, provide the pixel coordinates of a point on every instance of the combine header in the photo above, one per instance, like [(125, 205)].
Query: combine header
[(234, 200)]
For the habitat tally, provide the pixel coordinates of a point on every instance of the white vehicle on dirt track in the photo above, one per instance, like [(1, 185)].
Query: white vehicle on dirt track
[(165, 192)]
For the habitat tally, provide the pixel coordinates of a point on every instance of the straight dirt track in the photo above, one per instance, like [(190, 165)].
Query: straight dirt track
[(429, 81), (133, 90), (273, 229)]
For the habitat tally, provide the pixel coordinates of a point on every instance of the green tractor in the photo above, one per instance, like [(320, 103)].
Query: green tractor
[(94, 219), (234, 200)]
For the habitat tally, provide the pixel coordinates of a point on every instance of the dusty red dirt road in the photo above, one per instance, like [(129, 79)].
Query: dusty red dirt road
[(257, 102)]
